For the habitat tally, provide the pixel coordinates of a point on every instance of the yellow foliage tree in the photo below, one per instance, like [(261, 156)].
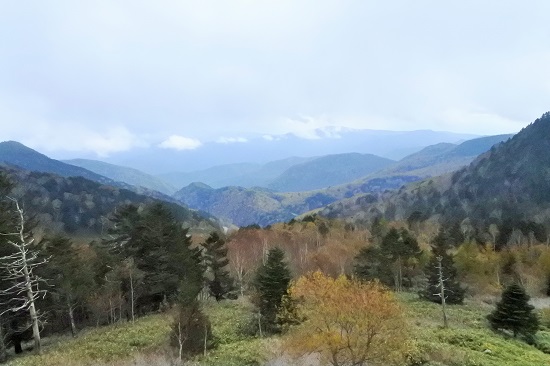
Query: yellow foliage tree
[(347, 323)]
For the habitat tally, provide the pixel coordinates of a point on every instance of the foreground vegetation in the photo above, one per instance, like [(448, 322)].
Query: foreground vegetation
[(468, 341)]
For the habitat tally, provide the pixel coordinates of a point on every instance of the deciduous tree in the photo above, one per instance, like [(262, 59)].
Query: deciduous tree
[(347, 322)]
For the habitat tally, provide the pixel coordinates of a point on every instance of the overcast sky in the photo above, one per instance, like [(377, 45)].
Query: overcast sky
[(81, 77)]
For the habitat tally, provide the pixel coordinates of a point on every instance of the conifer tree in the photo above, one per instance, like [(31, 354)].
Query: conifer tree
[(272, 281), (389, 261), (220, 283), (71, 277), (454, 293), (514, 313)]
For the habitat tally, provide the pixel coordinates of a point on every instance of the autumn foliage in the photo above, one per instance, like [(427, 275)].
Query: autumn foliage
[(347, 322)]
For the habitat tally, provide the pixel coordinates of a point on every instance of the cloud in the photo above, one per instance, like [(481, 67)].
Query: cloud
[(177, 142), (231, 140), (309, 128), (108, 76)]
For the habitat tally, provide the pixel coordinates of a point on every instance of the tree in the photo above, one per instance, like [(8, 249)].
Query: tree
[(514, 313), (161, 251), (391, 262), (441, 267), (6, 222), (271, 283), (19, 267), (220, 283), (347, 322), (70, 275)]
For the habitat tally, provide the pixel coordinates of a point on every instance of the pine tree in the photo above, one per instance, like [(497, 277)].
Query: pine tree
[(514, 313), (272, 281), (454, 293), (220, 283)]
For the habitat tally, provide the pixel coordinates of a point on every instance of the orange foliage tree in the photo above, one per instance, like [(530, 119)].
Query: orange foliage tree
[(347, 322)]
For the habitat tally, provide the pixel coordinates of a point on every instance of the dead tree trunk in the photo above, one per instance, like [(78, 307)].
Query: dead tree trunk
[(19, 267), (442, 291), (70, 307)]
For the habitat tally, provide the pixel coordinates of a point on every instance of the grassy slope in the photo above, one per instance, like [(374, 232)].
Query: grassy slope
[(468, 341), (145, 343), (465, 343)]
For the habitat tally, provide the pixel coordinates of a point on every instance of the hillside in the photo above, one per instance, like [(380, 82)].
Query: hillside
[(79, 206), (508, 186), (15, 153), (124, 174), (328, 171), (241, 206)]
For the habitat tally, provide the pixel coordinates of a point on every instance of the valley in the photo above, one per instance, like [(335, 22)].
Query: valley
[(119, 242)]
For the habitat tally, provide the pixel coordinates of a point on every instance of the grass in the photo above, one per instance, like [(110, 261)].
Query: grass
[(104, 345), (146, 342), (468, 341)]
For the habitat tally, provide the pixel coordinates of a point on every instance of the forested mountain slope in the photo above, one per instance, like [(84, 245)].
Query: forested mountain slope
[(508, 186), (79, 206)]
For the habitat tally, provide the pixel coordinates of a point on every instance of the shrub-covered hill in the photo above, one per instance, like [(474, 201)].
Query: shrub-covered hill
[(79, 206), (508, 186)]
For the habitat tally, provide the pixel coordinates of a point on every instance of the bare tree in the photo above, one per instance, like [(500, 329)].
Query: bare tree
[(19, 268), (441, 293)]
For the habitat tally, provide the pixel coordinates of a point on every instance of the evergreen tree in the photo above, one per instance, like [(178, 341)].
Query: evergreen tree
[(371, 265), (272, 280), (161, 251), (454, 293), (391, 262), (6, 222), (514, 313), (71, 277), (220, 283)]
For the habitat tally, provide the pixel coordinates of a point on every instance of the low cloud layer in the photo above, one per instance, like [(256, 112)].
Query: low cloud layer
[(180, 143)]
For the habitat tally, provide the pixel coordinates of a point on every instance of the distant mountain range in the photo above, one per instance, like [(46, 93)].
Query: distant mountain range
[(262, 206), (241, 174), (262, 149), (508, 186), (310, 183)]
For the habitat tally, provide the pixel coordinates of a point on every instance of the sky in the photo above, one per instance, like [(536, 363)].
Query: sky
[(98, 78)]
